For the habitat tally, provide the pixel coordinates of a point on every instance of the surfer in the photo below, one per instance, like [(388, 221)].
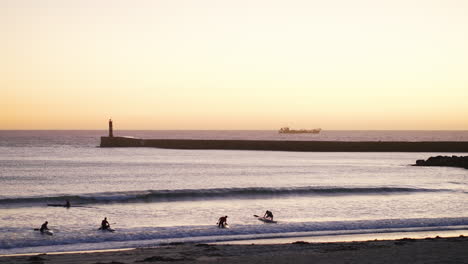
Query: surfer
[(104, 224), (44, 227), (222, 222), (268, 215)]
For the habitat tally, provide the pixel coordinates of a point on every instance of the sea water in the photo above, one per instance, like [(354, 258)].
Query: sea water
[(153, 196)]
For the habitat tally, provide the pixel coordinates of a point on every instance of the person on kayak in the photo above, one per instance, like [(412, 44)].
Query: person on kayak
[(44, 227), (268, 215), (104, 224), (222, 222)]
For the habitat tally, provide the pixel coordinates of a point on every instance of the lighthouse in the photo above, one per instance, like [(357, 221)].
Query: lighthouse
[(111, 132)]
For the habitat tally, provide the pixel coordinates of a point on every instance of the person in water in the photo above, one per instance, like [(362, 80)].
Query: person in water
[(268, 215), (104, 224), (222, 222), (44, 227), (67, 204)]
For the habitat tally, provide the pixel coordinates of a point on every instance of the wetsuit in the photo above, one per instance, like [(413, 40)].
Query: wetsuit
[(105, 225), (44, 227), (222, 221), (268, 214)]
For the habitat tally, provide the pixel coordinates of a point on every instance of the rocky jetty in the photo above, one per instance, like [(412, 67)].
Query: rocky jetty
[(445, 161), (286, 145)]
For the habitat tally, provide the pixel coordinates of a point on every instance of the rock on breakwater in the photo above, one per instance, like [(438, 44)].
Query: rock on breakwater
[(445, 161)]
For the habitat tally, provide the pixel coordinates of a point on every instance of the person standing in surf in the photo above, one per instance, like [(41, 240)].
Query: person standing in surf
[(222, 222)]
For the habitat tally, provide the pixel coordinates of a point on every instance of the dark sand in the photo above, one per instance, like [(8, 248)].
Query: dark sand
[(430, 250)]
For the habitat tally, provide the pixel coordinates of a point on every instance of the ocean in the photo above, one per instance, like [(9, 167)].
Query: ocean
[(155, 196)]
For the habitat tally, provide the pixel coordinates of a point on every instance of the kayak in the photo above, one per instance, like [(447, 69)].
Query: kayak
[(64, 205), (45, 232), (58, 205), (48, 232), (265, 220), (107, 229)]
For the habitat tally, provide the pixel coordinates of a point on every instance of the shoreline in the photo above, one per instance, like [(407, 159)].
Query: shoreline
[(309, 237), (405, 250), (272, 238), (286, 145), (352, 237), (267, 238)]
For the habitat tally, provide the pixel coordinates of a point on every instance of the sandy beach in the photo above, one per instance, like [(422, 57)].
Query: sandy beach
[(429, 250)]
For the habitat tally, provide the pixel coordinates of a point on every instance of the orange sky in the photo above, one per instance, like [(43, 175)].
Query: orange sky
[(213, 64)]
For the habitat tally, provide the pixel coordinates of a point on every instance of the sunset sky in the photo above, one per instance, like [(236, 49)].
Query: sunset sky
[(243, 64)]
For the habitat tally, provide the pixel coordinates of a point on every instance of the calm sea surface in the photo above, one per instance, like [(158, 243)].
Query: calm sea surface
[(153, 196)]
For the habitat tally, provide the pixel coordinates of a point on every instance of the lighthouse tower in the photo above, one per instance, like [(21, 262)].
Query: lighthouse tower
[(111, 132)]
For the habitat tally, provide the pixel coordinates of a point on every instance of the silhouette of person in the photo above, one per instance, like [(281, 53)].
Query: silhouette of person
[(222, 222), (268, 214), (104, 224), (44, 227)]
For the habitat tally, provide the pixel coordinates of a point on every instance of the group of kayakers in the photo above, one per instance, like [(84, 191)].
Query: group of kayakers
[(222, 221), (105, 226)]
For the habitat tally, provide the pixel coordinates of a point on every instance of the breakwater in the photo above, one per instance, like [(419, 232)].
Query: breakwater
[(445, 161), (277, 145)]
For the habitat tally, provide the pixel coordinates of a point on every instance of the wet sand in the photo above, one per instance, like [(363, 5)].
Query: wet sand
[(429, 250)]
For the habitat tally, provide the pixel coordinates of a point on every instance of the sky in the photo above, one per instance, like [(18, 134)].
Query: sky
[(244, 64)]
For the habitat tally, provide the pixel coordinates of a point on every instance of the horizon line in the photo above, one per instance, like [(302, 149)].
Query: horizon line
[(323, 130)]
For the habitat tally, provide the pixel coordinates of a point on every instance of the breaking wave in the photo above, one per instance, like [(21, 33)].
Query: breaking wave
[(202, 194), (82, 238)]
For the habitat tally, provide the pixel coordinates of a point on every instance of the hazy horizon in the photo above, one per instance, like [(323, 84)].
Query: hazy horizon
[(242, 65), (130, 129)]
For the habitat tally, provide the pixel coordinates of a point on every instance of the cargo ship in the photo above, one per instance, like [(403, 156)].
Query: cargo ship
[(287, 130)]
